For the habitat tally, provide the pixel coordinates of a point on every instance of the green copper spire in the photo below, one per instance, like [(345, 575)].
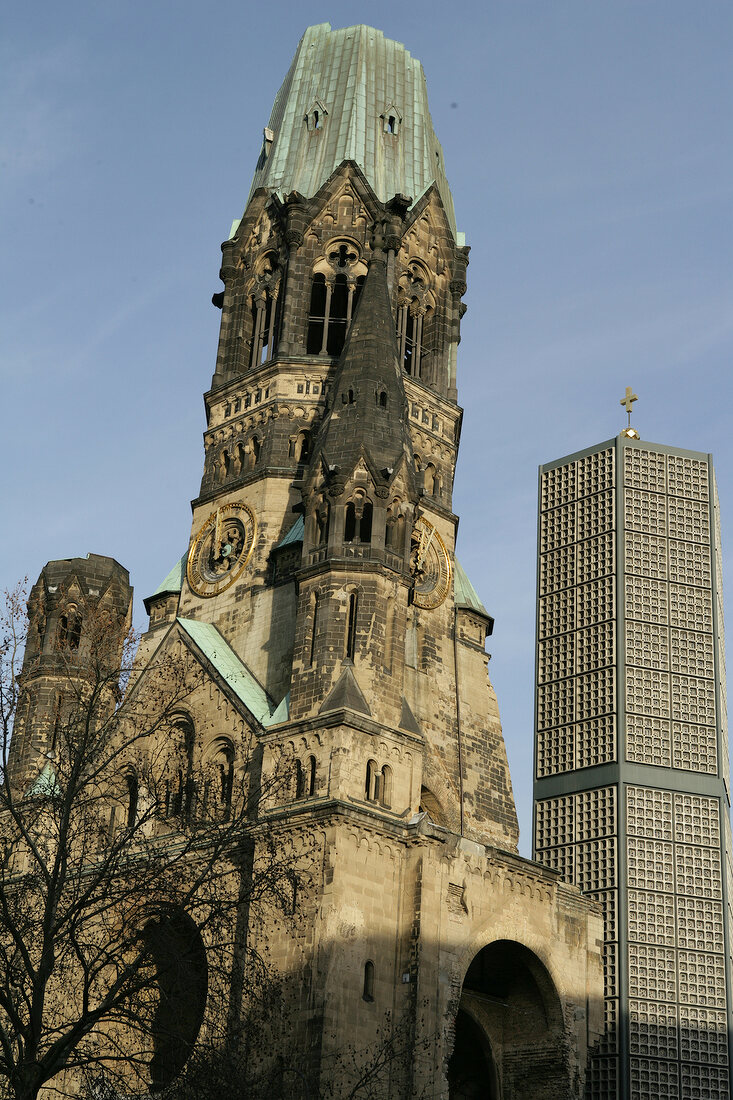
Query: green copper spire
[(353, 94)]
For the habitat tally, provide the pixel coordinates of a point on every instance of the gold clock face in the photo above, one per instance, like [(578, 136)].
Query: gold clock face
[(221, 550), (430, 565)]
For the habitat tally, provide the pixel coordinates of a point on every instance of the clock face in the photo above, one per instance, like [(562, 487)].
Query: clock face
[(430, 565), (222, 549)]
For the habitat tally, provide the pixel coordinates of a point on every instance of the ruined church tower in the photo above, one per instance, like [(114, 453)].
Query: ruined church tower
[(320, 585)]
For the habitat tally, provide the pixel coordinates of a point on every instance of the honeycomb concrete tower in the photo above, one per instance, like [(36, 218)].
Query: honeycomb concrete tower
[(632, 769)]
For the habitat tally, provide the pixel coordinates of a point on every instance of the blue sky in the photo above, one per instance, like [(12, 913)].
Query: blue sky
[(588, 147)]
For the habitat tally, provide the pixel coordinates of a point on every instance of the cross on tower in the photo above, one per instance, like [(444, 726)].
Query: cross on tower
[(628, 400)]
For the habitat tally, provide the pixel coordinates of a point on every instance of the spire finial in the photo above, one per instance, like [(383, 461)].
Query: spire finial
[(627, 401)]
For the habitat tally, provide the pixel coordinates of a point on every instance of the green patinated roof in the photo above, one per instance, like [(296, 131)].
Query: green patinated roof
[(464, 592), (174, 581), (45, 784), (281, 713), (355, 74), (230, 668), (295, 534)]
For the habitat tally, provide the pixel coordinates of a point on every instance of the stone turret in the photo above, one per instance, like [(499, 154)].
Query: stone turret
[(75, 608)]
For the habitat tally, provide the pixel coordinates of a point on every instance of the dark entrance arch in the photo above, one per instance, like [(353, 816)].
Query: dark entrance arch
[(510, 1036), (179, 957), (471, 1071)]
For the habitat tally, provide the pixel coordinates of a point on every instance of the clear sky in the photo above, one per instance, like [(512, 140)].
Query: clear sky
[(589, 150)]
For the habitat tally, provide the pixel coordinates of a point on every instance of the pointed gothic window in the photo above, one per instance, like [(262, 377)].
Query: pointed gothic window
[(311, 776)]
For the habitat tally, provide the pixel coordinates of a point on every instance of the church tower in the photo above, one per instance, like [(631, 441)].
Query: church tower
[(323, 538), (76, 605), (632, 788), (320, 589)]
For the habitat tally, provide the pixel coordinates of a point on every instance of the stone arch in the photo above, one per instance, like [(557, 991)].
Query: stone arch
[(219, 760), (508, 1029), (176, 949), (431, 805)]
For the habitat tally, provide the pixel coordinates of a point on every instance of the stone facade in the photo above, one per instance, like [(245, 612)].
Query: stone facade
[(321, 570)]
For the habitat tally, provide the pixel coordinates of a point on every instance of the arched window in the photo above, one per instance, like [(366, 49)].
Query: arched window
[(389, 638), (365, 523), (370, 784), (350, 522), (391, 119), (336, 287), (74, 631), (302, 447), (239, 458), (382, 399), (394, 535), (225, 777), (385, 787), (415, 304), (181, 788), (315, 607), (264, 299), (316, 315), (430, 479), (368, 991), (299, 780), (69, 629), (256, 449), (323, 514), (311, 776), (132, 796), (351, 626), (316, 117)]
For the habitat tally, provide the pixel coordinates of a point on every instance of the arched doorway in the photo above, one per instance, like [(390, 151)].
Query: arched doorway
[(509, 1032), (179, 958), (472, 1070)]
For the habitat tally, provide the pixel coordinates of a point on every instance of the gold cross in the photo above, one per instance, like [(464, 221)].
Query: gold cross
[(628, 400)]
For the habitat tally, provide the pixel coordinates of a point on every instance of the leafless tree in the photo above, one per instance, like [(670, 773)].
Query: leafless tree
[(125, 858)]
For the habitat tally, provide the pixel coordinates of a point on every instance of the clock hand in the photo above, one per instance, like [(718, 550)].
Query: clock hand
[(424, 549), (217, 534)]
